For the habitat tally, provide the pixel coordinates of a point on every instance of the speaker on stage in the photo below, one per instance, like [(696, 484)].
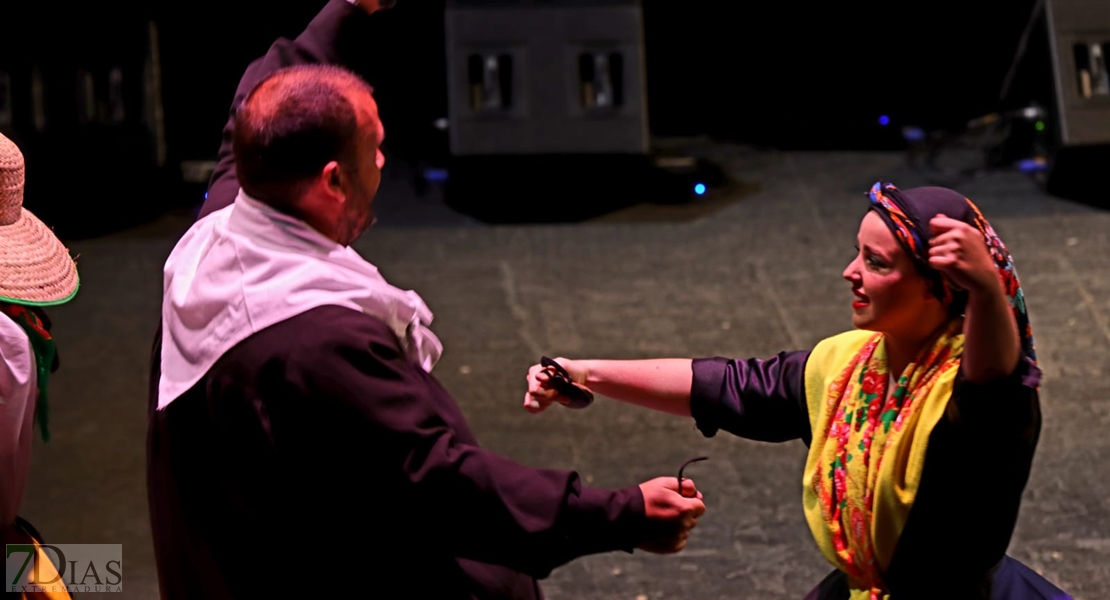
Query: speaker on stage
[(1079, 40), (546, 77), (542, 96)]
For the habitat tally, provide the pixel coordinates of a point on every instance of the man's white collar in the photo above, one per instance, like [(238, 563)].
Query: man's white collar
[(248, 266)]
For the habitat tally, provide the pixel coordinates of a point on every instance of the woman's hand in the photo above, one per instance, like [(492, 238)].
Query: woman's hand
[(992, 345), (959, 251), (541, 393)]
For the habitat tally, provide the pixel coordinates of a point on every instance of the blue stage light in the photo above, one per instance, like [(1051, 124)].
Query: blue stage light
[(913, 134), (699, 189), (435, 175), (1035, 164)]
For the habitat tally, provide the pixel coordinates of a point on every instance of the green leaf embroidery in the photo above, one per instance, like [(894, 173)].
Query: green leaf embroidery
[(888, 419)]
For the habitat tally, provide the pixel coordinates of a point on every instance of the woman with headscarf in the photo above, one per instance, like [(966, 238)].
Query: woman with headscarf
[(921, 423)]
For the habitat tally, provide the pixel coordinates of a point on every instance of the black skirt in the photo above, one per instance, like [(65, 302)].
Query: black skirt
[(1011, 580)]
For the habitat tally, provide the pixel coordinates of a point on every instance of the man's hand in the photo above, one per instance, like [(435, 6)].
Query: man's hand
[(372, 6), (671, 516)]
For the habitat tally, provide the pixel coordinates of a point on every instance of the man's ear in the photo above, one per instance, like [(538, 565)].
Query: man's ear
[(333, 178)]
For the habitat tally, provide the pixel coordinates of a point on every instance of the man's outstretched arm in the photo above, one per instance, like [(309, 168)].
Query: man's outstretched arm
[(402, 432)]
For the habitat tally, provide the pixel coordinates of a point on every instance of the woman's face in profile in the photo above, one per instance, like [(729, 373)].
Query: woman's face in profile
[(889, 294)]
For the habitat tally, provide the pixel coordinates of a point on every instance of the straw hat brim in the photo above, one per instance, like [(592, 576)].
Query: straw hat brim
[(35, 267)]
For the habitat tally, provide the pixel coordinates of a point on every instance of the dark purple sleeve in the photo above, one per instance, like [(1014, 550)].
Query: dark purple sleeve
[(480, 505), (976, 468), (332, 37), (758, 399), (982, 404)]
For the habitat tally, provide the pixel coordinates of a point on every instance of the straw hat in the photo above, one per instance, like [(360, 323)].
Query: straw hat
[(35, 267)]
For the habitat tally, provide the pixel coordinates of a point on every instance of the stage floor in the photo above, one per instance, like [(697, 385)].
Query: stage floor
[(746, 274)]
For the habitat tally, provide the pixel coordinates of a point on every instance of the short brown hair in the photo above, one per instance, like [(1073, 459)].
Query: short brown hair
[(290, 125)]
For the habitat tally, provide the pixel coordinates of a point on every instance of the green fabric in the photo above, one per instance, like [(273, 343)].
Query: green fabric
[(46, 355)]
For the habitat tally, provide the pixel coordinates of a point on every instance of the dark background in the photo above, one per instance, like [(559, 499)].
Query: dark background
[(775, 74), (781, 74)]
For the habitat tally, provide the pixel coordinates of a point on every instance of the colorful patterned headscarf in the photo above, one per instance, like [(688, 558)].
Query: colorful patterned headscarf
[(908, 213)]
